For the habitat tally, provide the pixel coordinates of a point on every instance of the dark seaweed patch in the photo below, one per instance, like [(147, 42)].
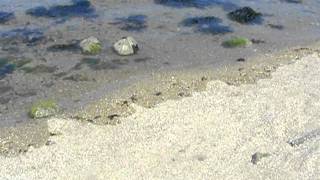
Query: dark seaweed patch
[(79, 8), (246, 15), (8, 65), (197, 3), (96, 64), (293, 1), (6, 16), (24, 35), (207, 24), (131, 23)]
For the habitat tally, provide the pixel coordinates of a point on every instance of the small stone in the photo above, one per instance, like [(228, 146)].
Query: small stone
[(43, 108), (126, 46), (91, 46), (241, 60), (256, 157)]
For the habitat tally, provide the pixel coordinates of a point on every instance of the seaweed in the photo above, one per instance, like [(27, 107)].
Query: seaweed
[(79, 8), (206, 24)]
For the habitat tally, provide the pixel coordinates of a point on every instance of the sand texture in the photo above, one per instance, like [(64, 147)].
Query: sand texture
[(211, 135)]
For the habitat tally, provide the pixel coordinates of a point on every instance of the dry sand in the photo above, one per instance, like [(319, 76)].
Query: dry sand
[(211, 135)]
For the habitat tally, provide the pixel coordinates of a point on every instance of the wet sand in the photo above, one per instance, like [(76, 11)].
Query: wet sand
[(236, 132)]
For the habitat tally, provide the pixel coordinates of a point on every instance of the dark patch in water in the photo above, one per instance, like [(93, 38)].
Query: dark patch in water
[(120, 61), (207, 24), (73, 47), (8, 65), (79, 8), (131, 23), (39, 69), (142, 60), (96, 64), (246, 15), (24, 35), (197, 3), (276, 26), (6, 16), (292, 1)]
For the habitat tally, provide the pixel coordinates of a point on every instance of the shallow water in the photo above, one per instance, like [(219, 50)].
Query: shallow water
[(40, 57)]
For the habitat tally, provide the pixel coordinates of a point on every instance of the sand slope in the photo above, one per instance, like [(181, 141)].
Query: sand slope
[(211, 135)]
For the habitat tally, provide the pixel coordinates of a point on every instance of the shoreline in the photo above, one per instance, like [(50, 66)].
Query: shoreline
[(213, 133), (148, 93)]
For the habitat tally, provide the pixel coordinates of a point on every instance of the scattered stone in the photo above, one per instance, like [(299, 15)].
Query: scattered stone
[(49, 143), (134, 98), (43, 108), (6, 16), (126, 46), (256, 157), (91, 46), (203, 78), (244, 15), (241, 60), (237, 42), (315, 134)]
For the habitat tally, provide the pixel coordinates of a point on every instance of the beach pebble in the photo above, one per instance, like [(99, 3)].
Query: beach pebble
[(126, 46), (91, 45), (43, 108), (244, 15)]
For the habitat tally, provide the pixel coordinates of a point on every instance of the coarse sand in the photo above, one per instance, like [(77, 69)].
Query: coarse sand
[(211, 135)]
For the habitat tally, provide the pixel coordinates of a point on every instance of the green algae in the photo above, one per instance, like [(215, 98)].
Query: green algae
[(43, 108), (236, 42)]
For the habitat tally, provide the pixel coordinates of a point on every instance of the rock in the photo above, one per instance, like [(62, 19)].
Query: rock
[(237, 42), (126, 46), (244, 15), (43, 108), (91, 45), (256, 157)]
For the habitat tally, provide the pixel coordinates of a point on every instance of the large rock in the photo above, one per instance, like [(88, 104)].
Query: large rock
[(91, 45), (126, 46)]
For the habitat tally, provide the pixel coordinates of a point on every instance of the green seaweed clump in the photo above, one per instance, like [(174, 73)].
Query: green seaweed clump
[(236, 42), (43, 108)]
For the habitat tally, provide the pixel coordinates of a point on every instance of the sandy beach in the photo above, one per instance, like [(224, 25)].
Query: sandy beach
[(211, 135)]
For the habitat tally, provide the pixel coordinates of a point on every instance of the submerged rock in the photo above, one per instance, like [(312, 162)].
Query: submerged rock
[(126, 46), (244, 15), (236, 42), (91, 45), (6, 16), (43, 108)]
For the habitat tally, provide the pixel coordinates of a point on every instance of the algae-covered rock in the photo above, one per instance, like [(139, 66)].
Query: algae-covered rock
[(126, 46), (91, 45), (244, 15), (43, 108), (237, 42)]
